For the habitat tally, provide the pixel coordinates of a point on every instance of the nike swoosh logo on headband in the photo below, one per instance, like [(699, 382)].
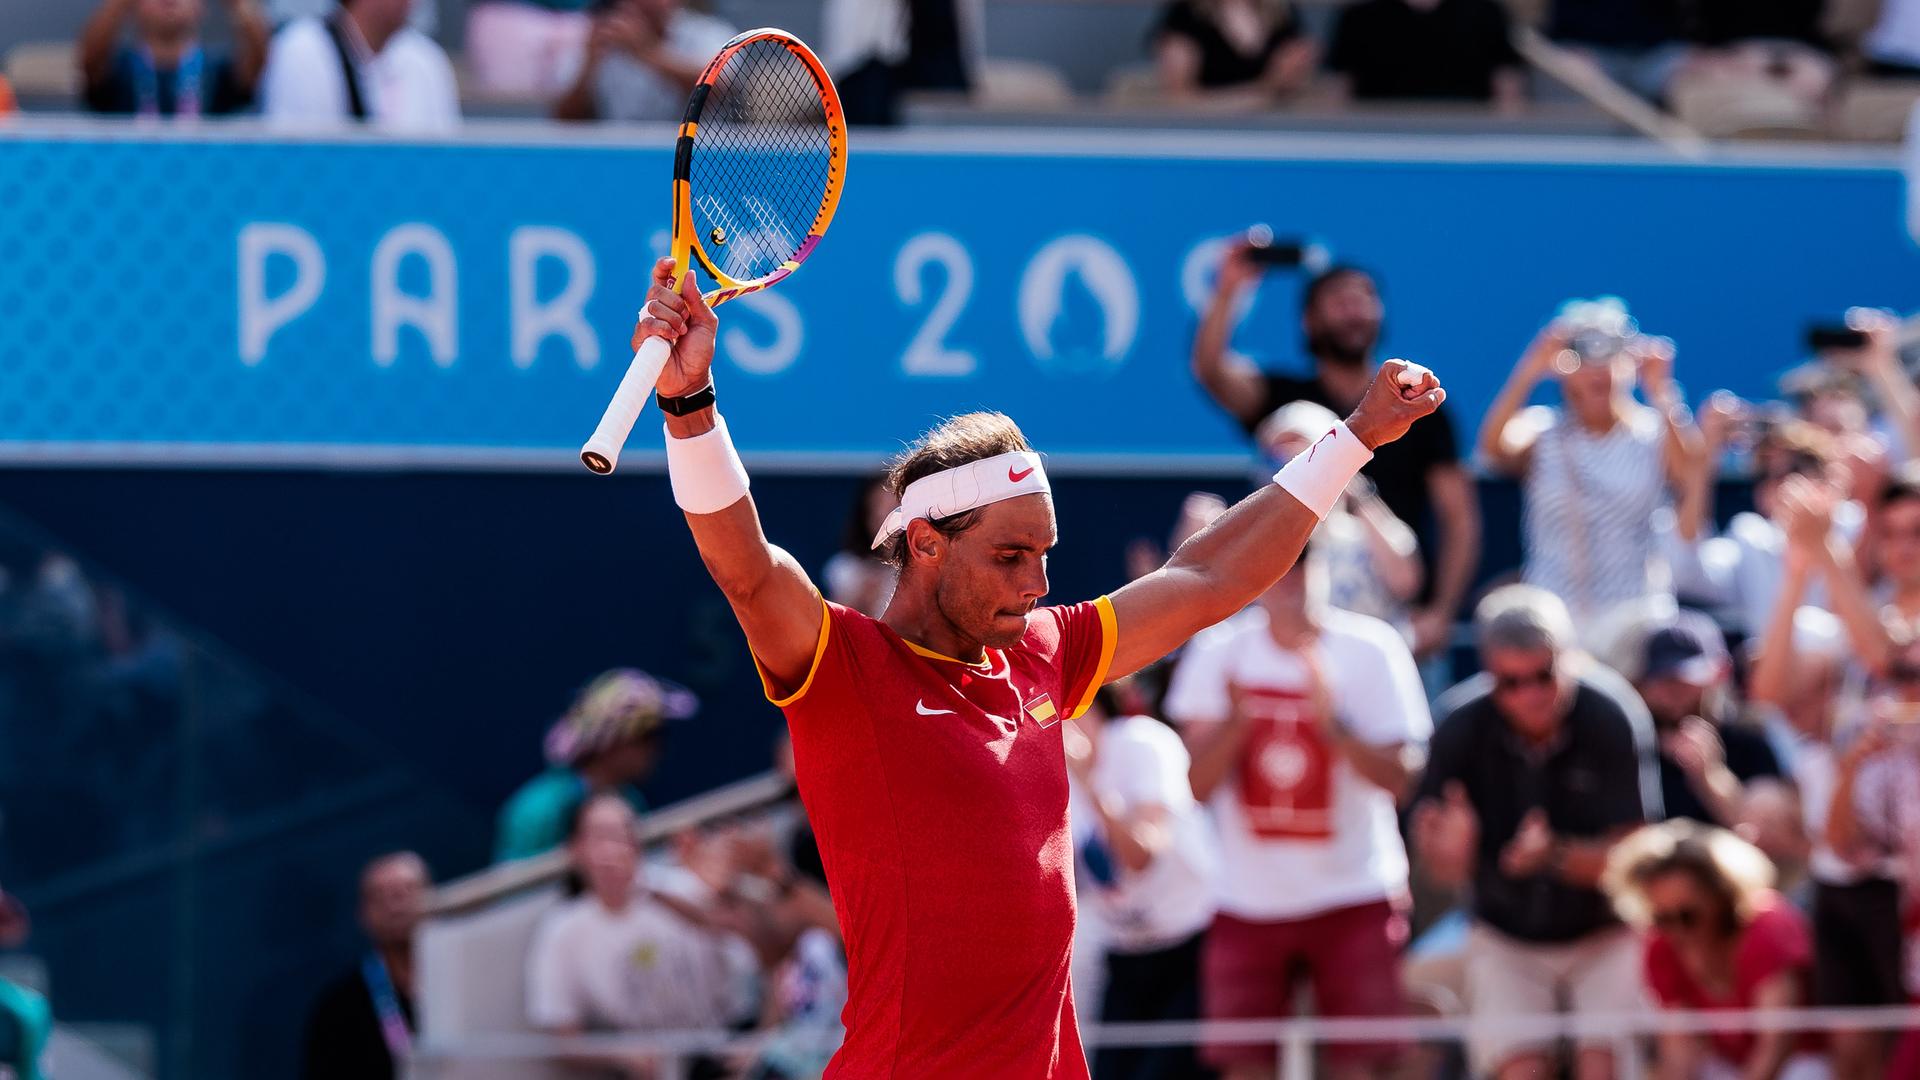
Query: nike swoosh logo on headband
[(921, 708), (1016, 477)]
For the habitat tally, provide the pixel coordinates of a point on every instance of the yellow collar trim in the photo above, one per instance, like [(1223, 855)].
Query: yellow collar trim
[(984, 665)]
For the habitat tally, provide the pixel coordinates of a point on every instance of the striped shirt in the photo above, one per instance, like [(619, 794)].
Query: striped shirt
[(1590, 506)]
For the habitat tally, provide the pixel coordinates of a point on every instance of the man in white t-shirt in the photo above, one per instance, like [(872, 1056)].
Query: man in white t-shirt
[(1145, 867), (615, 958), (360, 64), (1306, 724)]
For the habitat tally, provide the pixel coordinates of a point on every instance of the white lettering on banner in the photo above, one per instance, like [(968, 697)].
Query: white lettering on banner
[(261, 316), (435, 315), (927, 353), (565, 314), (788, 334), (1106, 277)]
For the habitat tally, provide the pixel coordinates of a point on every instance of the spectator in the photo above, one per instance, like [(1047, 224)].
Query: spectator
[(853, 576), (1738, 573), (360, 64), (26, 1023), (643, 57), (1892, 46), (1147, 864), (1419, 477), (1305, 725), (1372, 557), (863, 44), (1862, 830), (362, 1025), (1536, 772), (526, 48), (609, 740), (1247, 50), (808, 987), (1435, 49), (1720, 938), (1706, 754), (1779, 41), (1772, 819), (617, 958), (1595, 469), (1635, 42), (165, 72)]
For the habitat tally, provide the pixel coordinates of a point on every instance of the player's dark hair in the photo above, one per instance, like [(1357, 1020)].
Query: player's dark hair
[(949, 445), (1328, 278)]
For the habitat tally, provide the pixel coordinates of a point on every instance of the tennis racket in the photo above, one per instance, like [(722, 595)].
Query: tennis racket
[(757, 174)]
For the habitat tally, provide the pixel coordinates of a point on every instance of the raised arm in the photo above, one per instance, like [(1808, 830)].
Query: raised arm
[(1503, 445), (99, 37), (1682, 447), (771, 595), (1233, 383), (1224, 566)]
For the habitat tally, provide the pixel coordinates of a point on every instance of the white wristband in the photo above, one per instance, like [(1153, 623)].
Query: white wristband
[(705, 470), (1319, 474)]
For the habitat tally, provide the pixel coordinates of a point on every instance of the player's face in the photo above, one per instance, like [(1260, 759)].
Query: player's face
[(995, 573)]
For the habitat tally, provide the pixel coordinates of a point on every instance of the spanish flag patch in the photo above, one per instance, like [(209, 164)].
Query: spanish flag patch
[(1042, 711)]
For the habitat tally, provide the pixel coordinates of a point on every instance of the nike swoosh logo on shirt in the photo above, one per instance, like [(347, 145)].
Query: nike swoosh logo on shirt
[(921, 708)]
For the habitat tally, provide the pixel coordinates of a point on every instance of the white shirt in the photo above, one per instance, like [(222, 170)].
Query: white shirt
[(1300, 831), (1142, 762), (408, 88), (628, 91), (641, 969)]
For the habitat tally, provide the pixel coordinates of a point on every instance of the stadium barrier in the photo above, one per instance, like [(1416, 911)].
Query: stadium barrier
[(1294, 1040)]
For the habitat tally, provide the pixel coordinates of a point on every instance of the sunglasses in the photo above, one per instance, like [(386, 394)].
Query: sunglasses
[(1682, 919), (1507, 684)]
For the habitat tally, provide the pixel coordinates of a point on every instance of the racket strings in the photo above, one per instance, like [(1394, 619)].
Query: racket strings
[(762, 161)]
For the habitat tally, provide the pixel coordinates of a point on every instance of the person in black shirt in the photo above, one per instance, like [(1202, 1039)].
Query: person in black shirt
[(165, 72), (1251, 49), (1635, 42), (1704, 763), (1420, 477), (362, 1024), (1534, 772), (1458, 50)]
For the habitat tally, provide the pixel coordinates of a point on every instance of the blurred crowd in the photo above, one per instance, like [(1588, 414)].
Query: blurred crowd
[(366, 61), (1683, 771)]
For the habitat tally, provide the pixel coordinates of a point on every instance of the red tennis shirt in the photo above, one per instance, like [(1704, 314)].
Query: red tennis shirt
[(938, 792)]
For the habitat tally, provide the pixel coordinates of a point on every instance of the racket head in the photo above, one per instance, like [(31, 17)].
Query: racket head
[(759, 164)]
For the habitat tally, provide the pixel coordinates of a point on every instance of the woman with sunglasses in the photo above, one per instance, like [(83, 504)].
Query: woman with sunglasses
[(1719, 938)]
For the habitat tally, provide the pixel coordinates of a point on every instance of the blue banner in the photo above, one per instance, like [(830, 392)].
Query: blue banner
[(217, 297)]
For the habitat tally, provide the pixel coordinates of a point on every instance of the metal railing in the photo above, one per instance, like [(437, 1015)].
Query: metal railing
[(1293, 1040)]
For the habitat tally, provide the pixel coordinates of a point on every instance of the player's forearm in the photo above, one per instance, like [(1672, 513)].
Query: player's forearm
[(1241, 554)]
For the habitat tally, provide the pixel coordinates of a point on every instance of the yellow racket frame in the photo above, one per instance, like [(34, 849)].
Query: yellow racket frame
[(685, 241)]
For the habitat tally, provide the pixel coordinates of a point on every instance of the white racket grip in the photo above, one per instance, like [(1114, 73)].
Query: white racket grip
[(602, 451)]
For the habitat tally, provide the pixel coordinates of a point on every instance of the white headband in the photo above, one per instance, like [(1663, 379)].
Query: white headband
[(966, 487)]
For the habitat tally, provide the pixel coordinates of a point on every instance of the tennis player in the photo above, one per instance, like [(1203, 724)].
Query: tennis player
[(927, 741)]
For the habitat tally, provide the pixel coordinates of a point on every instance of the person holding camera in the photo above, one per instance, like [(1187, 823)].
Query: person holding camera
[(1594, 469), (1420, 478), (642, 58)]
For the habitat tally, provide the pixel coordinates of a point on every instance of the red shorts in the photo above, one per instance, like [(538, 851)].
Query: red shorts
[(1350, 958)]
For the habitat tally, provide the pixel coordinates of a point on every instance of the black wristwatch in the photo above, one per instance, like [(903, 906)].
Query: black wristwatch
[(691, 403)]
